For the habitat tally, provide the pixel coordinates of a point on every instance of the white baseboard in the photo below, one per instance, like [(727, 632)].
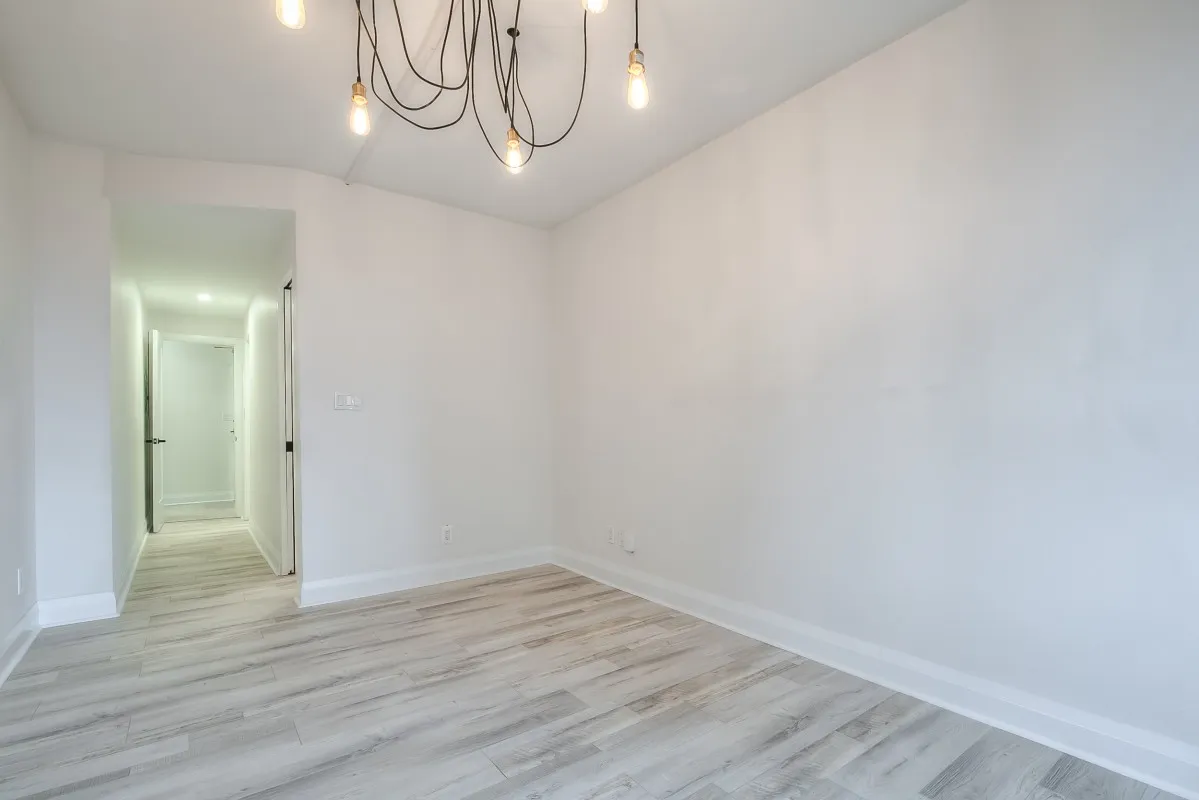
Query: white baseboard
[(17, 641), (1158, 760), (336, 590), (83, 608), (137, 558), (273, 561), (197, 498)]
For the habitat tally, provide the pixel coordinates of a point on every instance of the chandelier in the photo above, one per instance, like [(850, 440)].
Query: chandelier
[(477, 20)]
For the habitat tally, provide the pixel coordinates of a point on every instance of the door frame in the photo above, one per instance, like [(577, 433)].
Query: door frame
[(290, 548), (154, 465), (152, 426)]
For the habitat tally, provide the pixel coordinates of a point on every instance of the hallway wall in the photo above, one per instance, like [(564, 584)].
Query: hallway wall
[(16, 385), (127, 406), (194, 324), (72, 374), (264, 413)]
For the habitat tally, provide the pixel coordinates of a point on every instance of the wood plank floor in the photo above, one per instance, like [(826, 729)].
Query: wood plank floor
[(533, 684)]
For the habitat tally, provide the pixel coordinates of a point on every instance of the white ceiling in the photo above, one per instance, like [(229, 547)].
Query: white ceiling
[(223, 80), (175, 253)]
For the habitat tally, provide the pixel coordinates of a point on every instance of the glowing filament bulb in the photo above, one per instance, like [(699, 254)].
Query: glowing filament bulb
[(638, 88), (291, 13), (360, 116), (595, 6), (513, 159)]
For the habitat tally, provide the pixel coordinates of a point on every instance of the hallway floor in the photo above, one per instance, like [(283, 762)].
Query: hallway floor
[(532, 684), (200, 511)]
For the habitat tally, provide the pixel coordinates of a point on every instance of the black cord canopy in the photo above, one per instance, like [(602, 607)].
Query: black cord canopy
[(476, 17)]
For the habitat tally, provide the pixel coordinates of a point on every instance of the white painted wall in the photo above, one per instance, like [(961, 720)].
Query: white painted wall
[(196, 463), (914, 359), (16, 367), (127, 405), (437, 318), (72, 426), (224, 327), (264, 413)]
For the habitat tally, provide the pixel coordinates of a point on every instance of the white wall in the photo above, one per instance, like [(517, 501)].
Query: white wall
[(16, 385), (913, 359), (437, 318), (196, 464), (72, 342), (127, 399), (264, 413), (195, 324)]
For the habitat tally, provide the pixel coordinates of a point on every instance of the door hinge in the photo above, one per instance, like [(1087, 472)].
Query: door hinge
[(289, 447)]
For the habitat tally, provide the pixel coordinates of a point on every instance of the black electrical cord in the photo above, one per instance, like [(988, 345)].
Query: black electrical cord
[(472, 94), (528, 114), (383, 71), (408, 57), (507, 80), (358, 58), (579, 107), (509, 89), (378, 62), (497, 58)]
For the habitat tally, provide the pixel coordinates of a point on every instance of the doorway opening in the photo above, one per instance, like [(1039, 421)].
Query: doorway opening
[(194, 453), (204, 431)]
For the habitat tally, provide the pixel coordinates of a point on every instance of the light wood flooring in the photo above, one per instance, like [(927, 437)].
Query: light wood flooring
[(532, 684)]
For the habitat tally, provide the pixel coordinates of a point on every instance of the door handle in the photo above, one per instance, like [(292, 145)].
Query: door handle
[(156, 441)]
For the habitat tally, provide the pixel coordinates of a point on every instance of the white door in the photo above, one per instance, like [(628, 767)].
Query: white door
[(196, 454)]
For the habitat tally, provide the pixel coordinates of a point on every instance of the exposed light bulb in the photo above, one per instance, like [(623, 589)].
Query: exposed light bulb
[(513, 160), (360, 116), (291, 13), (595, 6), (638, 88)]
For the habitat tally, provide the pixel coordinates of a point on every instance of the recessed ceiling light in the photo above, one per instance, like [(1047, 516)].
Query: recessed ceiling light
[(204, 297)]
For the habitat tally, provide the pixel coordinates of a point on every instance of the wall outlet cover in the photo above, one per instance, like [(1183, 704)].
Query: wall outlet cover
[(447, 534), (611, 536)]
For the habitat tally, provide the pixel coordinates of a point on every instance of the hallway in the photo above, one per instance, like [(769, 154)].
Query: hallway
[(202, 564)]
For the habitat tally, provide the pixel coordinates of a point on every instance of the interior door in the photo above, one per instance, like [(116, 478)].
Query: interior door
[(197, 455), (154, 512), (289, 438)]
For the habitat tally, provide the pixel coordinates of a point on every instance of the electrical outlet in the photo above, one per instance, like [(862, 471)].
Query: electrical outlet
[(447, 534), (20, 586), (611, 536)]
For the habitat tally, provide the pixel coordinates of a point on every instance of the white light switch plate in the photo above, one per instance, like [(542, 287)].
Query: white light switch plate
[(346, 402)]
